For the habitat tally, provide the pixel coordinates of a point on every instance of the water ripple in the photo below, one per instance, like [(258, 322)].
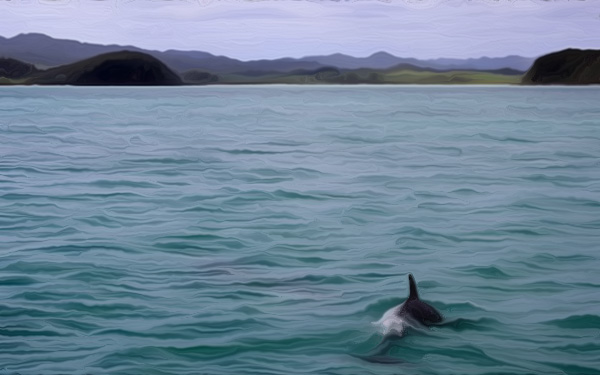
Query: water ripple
[(261, 230)]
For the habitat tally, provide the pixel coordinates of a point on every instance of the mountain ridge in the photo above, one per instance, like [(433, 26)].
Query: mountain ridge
[(37, 59), (45, 51)]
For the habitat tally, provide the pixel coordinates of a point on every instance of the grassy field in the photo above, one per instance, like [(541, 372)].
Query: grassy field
[(372, 77), (353, 77)]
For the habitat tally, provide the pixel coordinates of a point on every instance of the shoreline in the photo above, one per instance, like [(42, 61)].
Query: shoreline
[(366, 85)]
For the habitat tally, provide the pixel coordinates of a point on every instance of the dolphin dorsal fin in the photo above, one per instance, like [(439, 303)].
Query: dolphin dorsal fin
[(413, 287)]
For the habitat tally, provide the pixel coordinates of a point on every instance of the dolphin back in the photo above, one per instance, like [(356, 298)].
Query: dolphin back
[(421, 312), (414, 308)]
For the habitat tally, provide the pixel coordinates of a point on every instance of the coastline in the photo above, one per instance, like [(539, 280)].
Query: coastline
[(296, 85)]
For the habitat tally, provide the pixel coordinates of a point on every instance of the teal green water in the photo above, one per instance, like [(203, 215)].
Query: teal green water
[(260, 230)]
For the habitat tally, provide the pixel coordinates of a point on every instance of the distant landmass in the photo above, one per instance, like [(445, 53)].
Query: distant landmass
[(44, 51), (113, 68), (567, 67), (15, 69), (40, 59)]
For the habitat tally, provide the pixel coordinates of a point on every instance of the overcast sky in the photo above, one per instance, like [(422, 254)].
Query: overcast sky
[(271, 29)]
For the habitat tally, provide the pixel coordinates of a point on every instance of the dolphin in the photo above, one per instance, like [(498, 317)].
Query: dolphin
[(411, 311)]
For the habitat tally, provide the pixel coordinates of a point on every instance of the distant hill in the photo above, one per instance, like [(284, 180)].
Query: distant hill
[(384, 60), (136, 68), (403, 74), (40, 59), (14, 69), (44, 52), (567, 67), (114, 68)]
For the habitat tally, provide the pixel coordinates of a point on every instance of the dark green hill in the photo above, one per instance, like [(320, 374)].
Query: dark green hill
[(14, 69), (115, 68), (567, 67)]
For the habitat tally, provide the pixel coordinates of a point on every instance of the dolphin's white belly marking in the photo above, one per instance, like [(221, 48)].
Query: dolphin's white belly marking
[(391, 322)]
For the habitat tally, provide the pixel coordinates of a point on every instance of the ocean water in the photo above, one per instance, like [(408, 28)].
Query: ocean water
[(261, 230)]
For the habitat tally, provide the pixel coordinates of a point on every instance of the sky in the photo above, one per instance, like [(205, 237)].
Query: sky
[(266, 29)]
